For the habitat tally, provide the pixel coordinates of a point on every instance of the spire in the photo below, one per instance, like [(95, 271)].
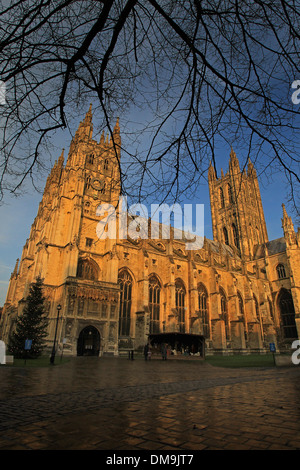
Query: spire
[(287, 223), (211, 172), (251, 170), (117, 128), (288, 227), (88, 116), (117, 137), (233, 157), (233, 161), (232, 153), (102, 138), (56, 171), (285, 214), (85, 128), (61, 158), (15, 271)]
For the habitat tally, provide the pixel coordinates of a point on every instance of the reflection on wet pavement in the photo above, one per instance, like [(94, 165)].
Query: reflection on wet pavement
[(114, 403)]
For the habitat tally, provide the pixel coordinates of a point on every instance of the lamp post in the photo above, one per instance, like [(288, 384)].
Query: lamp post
[(53, 348)]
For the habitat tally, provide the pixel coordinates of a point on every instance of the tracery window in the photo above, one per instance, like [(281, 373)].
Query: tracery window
[(203, 308), (224, 312), (88, 182), (180, 304), (225, 233), (125, 282), (88, 242), (154, 304), (287, 315), (241, 313), (91, 159), (230, 194), (222, 201), (235, 236), (281, 271)]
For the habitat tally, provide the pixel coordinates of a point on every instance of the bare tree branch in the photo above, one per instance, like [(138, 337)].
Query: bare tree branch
[(186, 77)]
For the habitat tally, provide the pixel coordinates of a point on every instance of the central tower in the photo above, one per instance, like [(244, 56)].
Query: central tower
[(236, 208)]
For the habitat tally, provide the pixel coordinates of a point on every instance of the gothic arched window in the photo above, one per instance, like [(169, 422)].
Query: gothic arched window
[(222, 201), (241, 313), (91, 159), (88, 182), (225, 233), (235, 236), (125, 282), (224, 312), (223, 304), (203, 308), (281, 271), (86, 269), (287, 314), (154, 304), (230, 194), (180, 304)]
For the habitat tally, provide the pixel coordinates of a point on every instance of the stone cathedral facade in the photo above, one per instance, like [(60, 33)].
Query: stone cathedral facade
[(236, 294)]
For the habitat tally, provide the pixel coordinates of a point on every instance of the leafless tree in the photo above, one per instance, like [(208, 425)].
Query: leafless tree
[(198, 76)]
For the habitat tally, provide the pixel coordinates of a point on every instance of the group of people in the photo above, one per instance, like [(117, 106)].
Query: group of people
[(165, 349), (147, 352)]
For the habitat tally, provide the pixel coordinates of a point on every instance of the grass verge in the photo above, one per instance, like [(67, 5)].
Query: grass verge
[(253, 360)]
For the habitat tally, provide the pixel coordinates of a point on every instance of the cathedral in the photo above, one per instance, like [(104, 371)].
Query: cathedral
[(236, 294)]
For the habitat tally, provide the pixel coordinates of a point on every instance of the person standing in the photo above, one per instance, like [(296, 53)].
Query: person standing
[(164, 352), (146, 349)]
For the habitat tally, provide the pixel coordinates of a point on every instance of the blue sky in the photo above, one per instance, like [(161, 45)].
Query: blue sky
[(18, 213)]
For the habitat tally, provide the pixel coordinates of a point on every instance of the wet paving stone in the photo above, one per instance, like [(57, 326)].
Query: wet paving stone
[(115, 404)]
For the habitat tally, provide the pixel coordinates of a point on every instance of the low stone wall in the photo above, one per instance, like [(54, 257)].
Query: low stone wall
[(283, 360)]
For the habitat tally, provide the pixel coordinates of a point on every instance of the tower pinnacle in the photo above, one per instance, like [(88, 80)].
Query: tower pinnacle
[(233, 162), (211, 171), (288, 227), (85, 128)]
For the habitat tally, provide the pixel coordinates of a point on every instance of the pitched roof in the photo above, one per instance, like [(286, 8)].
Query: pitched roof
[(273, 247)]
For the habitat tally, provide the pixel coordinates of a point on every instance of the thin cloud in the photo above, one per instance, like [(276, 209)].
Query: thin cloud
[(3, 266)]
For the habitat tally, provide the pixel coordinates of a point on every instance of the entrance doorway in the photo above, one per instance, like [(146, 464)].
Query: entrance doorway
[(88, 343)]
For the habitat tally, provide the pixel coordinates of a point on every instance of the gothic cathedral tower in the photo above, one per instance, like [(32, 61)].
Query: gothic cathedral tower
[(236, 208), (63, 247)]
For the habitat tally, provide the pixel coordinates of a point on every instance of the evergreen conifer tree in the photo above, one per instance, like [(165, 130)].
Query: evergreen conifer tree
[(32, 325)]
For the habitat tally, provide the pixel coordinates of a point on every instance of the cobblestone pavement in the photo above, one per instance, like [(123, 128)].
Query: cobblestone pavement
[(117, 404)]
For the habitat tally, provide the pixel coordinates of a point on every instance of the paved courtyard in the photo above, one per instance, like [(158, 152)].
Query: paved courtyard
[(119, 404)]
